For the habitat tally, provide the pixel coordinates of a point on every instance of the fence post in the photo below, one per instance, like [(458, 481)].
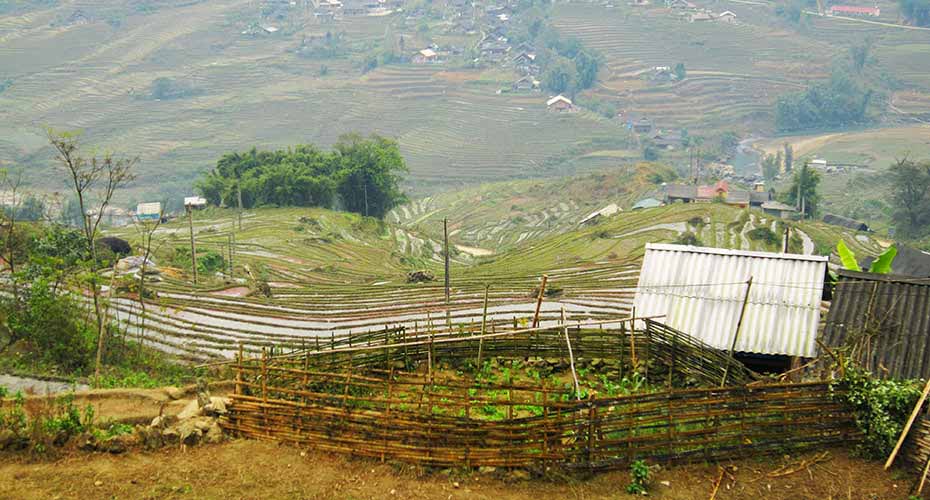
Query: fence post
[(265, 391), (239, 371), (387, 419), (592, 417)]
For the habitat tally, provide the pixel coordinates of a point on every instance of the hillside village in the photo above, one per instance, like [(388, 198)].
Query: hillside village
[(465, 249)]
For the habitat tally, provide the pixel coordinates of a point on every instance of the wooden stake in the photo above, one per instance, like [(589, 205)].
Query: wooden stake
[(923, 477), (542, 290), (739, 323), (907, 427)]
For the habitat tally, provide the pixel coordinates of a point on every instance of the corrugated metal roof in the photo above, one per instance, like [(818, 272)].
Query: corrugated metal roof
[(890, 315), (700, 291)]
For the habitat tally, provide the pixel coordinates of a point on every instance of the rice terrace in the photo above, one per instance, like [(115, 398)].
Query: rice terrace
[(465, 249)]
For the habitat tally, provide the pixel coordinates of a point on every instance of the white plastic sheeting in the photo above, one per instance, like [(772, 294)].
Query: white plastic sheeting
[(700, 291)]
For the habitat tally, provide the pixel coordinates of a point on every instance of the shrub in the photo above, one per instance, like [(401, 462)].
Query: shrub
[(881, 407), (208, 262), (688, 238), (765, 235), (639, 478)]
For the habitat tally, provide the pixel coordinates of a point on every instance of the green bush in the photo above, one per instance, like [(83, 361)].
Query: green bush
[(765, 235), (208, 262), (881, 408), (639, 478), (688, 238)]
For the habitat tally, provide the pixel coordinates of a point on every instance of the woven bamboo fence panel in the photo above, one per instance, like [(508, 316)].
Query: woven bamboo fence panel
[(443, 422), (657, 344)]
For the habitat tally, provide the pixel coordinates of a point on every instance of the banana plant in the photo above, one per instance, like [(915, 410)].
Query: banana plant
[(881, 265)]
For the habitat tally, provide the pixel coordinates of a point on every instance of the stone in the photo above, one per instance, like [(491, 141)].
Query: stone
[(487, 469), (190, 411), (213, 434), (188, 433), (174, 393), (170, 435), (203, 423), (118, 444), (518, 475), (150, 437), (216, 406), (7, 438)]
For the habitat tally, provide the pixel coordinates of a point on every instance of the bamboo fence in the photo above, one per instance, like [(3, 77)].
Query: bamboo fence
[(360, 400), (418, 419), (656, 345)]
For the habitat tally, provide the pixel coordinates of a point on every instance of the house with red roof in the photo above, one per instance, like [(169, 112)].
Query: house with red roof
[(854, 10)]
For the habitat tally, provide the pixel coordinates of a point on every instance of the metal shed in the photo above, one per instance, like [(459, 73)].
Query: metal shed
[(701, 290), (884, 320)]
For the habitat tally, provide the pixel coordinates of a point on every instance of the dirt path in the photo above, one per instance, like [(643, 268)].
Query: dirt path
[(253, 469)]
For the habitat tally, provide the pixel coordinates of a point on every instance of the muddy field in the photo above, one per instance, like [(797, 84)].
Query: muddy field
[(254, 469)]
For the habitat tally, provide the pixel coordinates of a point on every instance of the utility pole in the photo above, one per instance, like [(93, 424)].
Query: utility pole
[(190, 222), (787, 235)]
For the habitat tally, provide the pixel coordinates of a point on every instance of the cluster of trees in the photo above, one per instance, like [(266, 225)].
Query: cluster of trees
[(361, 175), (781, 161), (917, 12), (804, 186), (840, 101), (566, 65), (910, 184)]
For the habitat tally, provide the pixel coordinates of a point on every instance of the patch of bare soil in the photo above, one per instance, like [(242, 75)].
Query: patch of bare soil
[(254, 469)]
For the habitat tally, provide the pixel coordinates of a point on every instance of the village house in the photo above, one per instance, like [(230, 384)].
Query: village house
[(889, 312), (851, 10), (641, 126), (680, 4), (647, 203), (195, 202), (526, 83), (668, 141), (839, 220), (426, 56), (705, 194), (704, 292), (560, 104), (605, 212), (780, 210), (699, 16), (727, 17)]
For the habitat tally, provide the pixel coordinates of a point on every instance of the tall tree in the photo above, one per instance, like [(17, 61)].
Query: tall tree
[(910, 187), (804, 190), (789, 158), (94, 181), (370, 172)]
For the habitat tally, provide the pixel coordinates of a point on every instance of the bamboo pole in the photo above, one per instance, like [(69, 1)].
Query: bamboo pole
[(739, 323), (907, 426), (445, 233), (190, 222), (542, 291), (484, 324), (571, 357)]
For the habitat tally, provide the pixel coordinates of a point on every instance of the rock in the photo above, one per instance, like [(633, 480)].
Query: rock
[(666, 483), (174, 393), (597, 364), (214, 434), (98, 483), (518, 475), (150, 437), (216, 406), (118, 444), (87, 442), (170, 435), (487, 469), (7, 438), (188, 432), (190, 411), (203, 423), (203, 393)]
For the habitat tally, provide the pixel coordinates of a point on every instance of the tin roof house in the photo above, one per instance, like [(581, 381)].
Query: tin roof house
[(701, 291), (884, 320)]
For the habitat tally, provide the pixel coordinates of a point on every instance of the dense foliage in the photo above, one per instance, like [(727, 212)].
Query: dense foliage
[(362, 175), (805, 182), (910, 188), (917, 12), (838, 102), (566, 65), (881, 407)]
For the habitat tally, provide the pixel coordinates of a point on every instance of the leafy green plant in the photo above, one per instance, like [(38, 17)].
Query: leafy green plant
[(881, 407), (881, 265), (639, 478)]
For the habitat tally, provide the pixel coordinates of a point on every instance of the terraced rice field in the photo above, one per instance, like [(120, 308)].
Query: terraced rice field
[(257, 91), (325, 286)]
